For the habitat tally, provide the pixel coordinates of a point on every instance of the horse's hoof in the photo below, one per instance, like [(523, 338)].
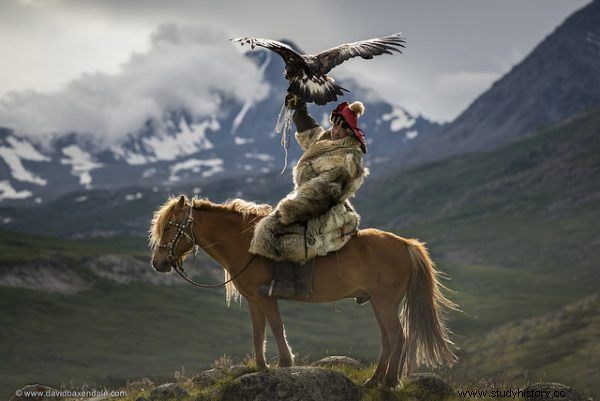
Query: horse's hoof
[(285, 363), (371, 383), (389, 384), (262, 367)]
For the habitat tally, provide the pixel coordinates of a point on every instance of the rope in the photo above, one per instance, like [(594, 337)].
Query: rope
[(180, 271)]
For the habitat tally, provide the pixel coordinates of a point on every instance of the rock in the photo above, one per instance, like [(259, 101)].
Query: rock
[(337, 360), (550, 391), (168, 392), (430, 386), (127, 269), (303, 383), (49, 276), (209, 377), (239, 370), (35, 392)]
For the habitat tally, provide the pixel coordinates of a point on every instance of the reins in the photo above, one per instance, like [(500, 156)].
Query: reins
[(181, 272), (177, 263)]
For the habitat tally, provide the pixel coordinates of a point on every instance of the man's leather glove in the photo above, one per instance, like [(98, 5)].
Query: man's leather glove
[(293, 102)]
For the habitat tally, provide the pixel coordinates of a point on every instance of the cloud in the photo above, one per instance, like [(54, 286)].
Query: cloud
[(186, 67)]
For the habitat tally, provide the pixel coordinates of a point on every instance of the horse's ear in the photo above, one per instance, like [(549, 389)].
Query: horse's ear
[(181, 202)]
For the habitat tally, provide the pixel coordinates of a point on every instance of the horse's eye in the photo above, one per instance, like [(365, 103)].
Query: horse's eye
[(167, 228)]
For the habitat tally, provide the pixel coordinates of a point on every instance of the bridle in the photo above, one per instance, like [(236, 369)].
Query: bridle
[(177, 261), (181, 232)]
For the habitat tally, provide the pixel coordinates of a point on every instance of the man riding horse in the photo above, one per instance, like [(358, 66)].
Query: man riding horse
[(316, 217)]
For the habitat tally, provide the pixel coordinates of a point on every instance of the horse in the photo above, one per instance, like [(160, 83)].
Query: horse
[(406, 295)]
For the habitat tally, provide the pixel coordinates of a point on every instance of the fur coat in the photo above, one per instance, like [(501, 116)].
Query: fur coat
[(327, 175)]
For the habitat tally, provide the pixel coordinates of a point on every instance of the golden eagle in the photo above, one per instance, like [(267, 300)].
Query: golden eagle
[(307, 73)]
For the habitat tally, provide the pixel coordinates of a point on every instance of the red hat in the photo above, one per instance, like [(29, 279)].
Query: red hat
[(350, 114)]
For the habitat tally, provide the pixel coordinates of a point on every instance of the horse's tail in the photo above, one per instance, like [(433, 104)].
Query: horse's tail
[(422, 315)]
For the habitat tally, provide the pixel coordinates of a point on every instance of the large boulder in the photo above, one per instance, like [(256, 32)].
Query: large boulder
[(168, 392), (550, 391), (239, 370), (337, 360), (208, 377), (303, 383), (212, 376), (429, 386)]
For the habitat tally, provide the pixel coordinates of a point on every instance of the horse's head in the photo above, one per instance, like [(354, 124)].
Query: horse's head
[(171, 234)]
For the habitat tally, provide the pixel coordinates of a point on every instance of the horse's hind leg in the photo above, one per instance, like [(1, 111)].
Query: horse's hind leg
[(396, 364), (388, 312), (258, 334), (271, 309), (385, 353)]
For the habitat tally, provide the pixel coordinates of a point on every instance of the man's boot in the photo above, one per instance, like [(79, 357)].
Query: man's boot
[(282, 285), (303, 278)]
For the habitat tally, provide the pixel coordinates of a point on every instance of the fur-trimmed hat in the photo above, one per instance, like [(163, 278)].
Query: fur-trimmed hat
[(350, 113)]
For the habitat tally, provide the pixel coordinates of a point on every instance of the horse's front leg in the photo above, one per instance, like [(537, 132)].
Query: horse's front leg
[(384, 357), (271, 309), (258, 334)]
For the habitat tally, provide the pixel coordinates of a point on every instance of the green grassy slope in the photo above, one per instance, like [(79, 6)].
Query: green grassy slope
[(16, 247), (532, 205), (558, 346), (113, 333)]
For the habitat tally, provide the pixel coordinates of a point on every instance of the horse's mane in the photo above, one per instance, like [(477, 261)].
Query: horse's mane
[(243, 207)]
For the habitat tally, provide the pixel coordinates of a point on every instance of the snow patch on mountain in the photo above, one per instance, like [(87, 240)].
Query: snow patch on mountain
[(8, 192), (206, 168), (189, 139), (411, 134), (399, 119), (592, 38), (14, 154), (238, 140), (149, 172), (135, 196), (264, 157), (81, 164), (26, 150)]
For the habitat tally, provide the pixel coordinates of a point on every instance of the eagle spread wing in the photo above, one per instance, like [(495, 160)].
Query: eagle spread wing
[(366, 49), (289, 55)]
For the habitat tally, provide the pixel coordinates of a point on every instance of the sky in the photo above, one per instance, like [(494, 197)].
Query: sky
[(66, 58)]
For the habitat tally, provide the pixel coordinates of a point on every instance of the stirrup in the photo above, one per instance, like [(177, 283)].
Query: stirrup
[(362, 299), (274, 290), (267, 289)]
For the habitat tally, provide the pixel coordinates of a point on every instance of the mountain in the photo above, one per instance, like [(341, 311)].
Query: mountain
[(532, 204), (238, 141), (557, 346), (559, 78)]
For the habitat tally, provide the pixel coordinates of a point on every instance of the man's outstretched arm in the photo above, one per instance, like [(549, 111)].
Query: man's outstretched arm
[(302, 119), (305, 124)]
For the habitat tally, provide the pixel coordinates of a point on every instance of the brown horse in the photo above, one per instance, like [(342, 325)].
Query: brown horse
[(397, 273)]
